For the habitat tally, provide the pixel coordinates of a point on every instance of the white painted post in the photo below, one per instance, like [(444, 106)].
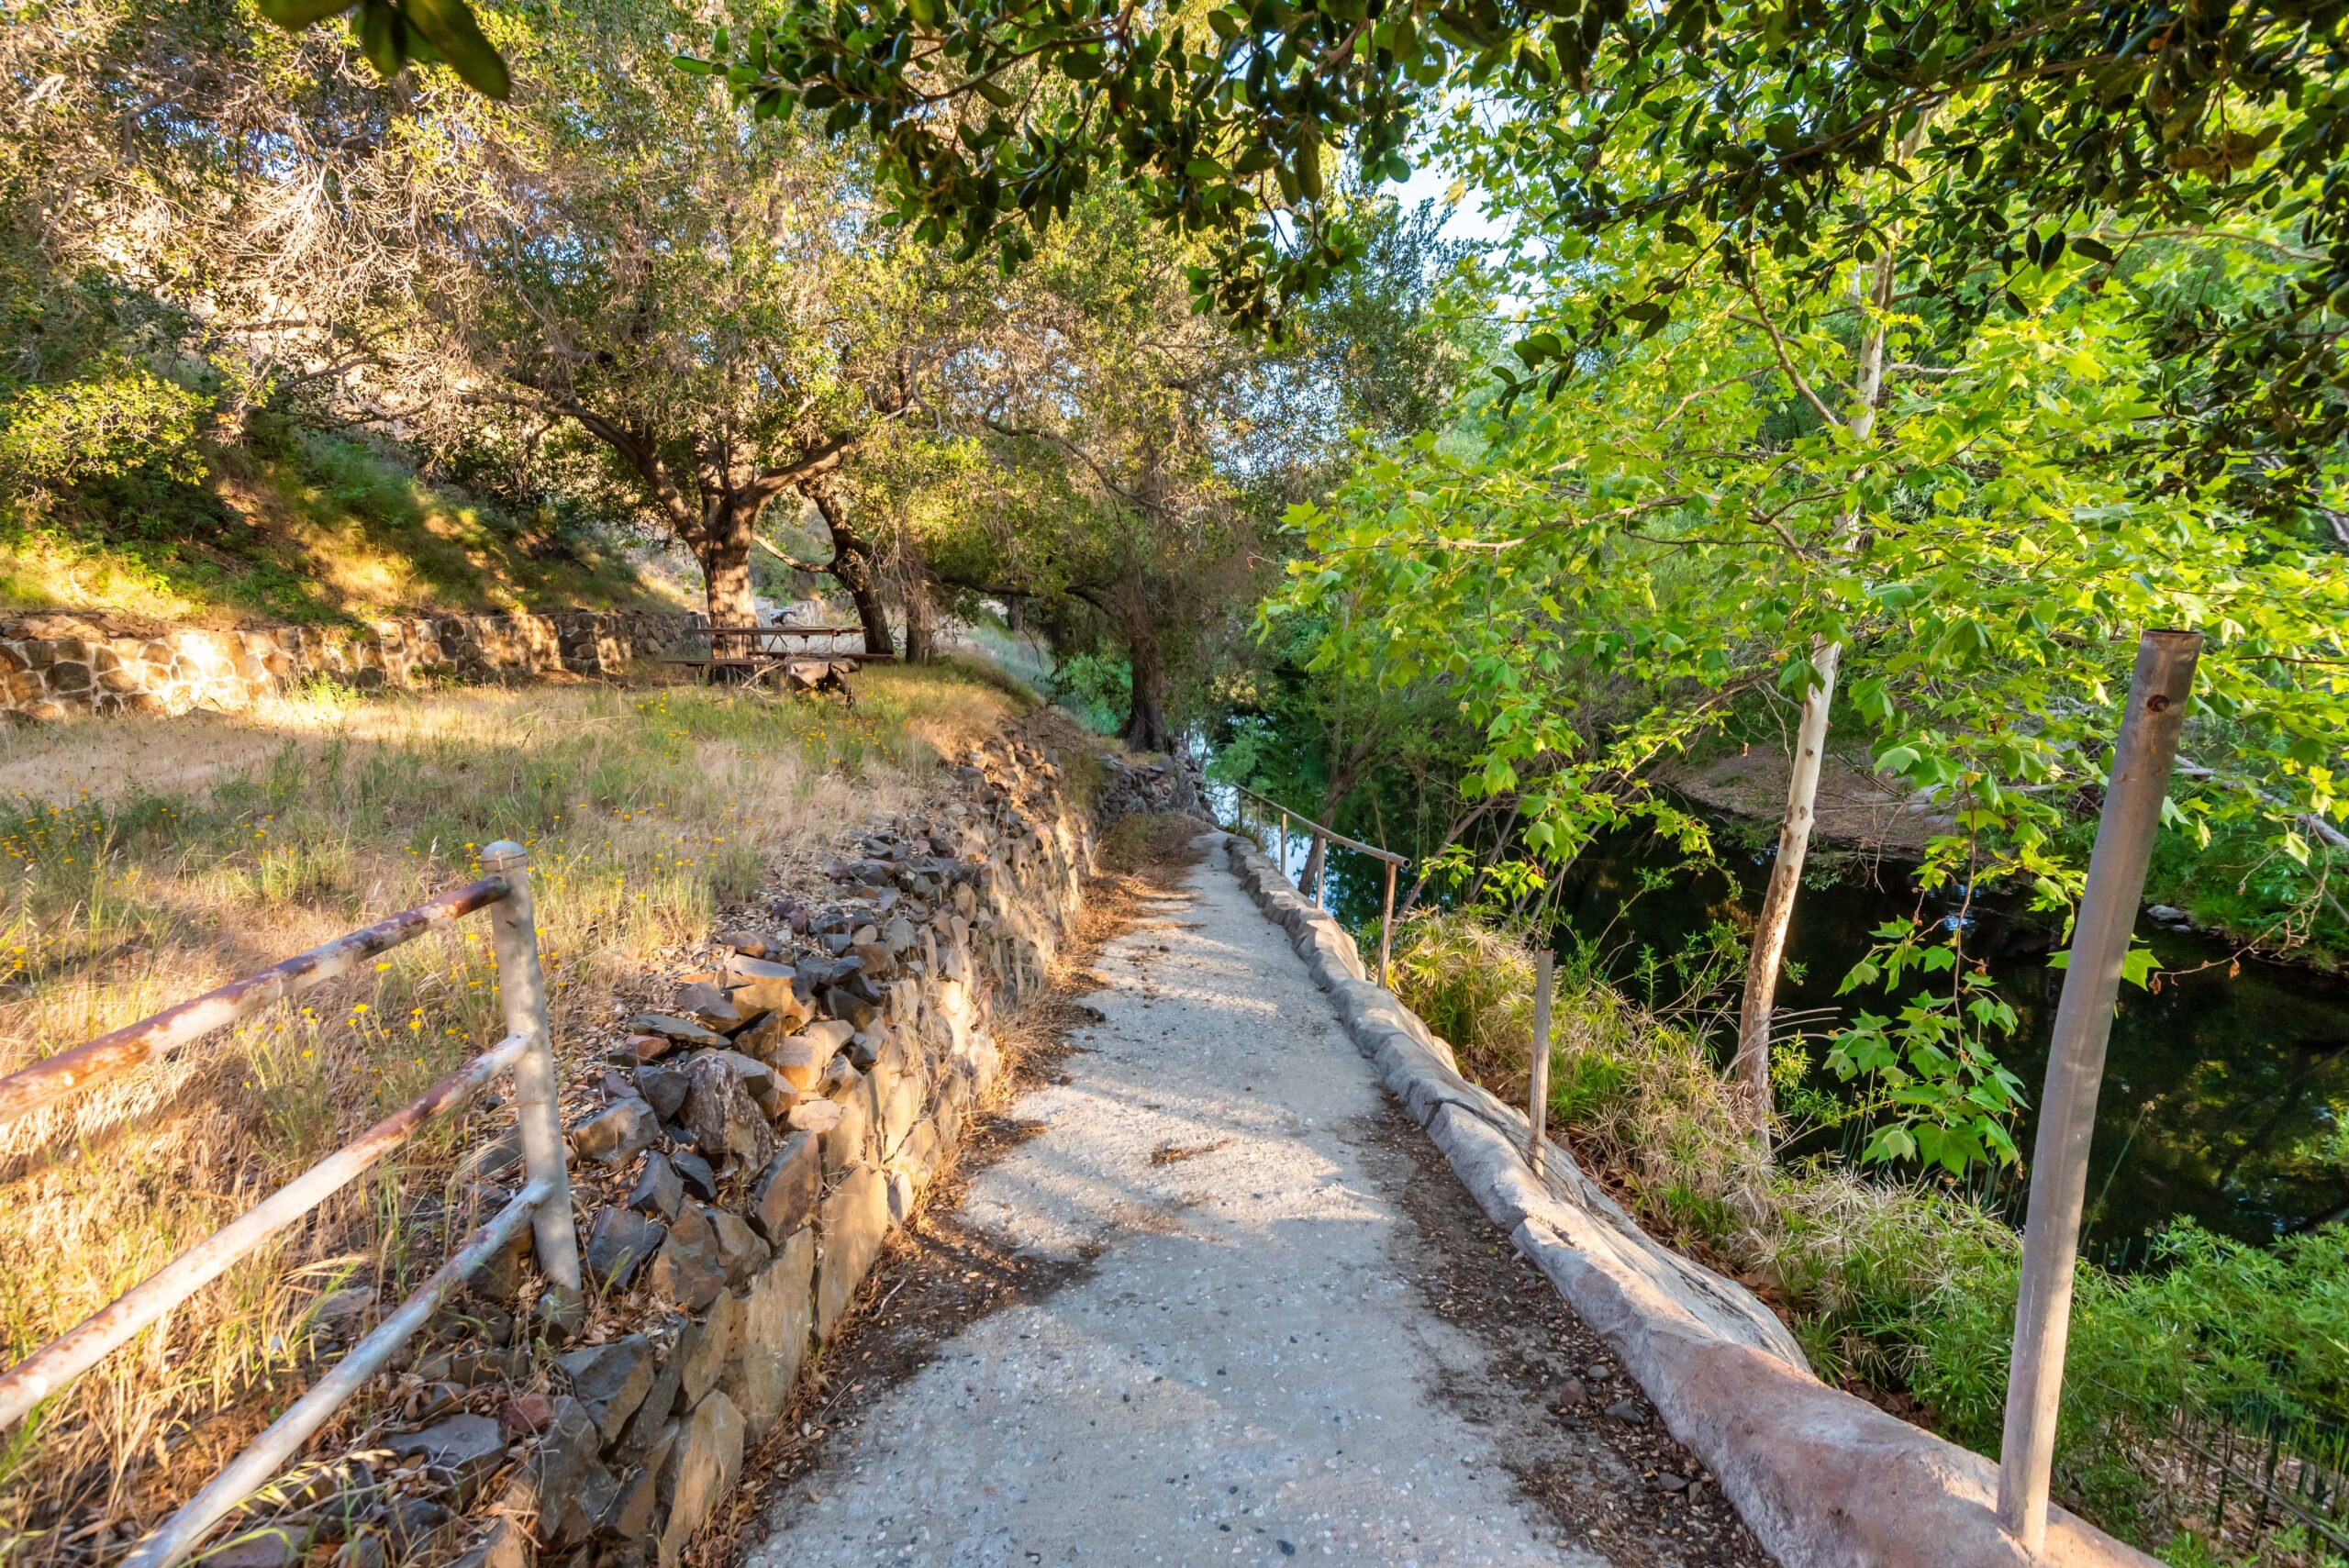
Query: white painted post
[(1537, 1109), (522, 991), (2124, 843)]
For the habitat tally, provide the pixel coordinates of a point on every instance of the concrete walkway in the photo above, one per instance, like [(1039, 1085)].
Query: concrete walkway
[(1244, 1373)]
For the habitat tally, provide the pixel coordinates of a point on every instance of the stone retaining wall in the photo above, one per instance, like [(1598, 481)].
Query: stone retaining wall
[(1823, 1479), (56, 666), (738, 1162)]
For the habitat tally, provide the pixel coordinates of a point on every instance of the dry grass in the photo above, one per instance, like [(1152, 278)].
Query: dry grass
[(151, 860)]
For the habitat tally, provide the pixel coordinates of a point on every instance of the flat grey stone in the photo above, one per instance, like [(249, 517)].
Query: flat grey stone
[(620, 1241), (615, 1134), (458, 1452), (610, 1379), (702, 1470), (659, 1191), (687, 1271), (786, 1195), (685, 1031)]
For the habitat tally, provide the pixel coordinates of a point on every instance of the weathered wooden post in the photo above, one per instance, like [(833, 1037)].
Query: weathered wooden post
[(1386, 929), (1537, 1109), (522, 992), (2124, 843), (1318, 857), (1284, 843)]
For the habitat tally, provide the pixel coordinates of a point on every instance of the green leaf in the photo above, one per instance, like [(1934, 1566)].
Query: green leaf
[(293, 14), (382, 37), (450, 28)]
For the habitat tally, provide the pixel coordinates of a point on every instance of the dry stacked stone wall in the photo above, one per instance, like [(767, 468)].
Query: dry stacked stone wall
[(739, 1159), (57, 666)]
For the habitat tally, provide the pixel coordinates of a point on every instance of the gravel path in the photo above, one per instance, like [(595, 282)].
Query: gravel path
[(1246, 1368)]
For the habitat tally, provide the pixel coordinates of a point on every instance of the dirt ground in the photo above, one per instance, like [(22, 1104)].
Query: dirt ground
[(1602, 1466)]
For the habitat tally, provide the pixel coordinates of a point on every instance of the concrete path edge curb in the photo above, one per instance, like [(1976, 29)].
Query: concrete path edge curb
[(1823, 1478)]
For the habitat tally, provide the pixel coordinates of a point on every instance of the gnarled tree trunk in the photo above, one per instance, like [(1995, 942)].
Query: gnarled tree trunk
[(921, 614), (852, 567), (723, 549), (1145, 728)]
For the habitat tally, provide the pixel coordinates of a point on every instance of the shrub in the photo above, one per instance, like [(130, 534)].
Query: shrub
[(1911, 1287), (118, 419), (1473, 983)]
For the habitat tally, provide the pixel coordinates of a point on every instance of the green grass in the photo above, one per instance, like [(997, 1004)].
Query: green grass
[(1911, 1288), (313, 529)]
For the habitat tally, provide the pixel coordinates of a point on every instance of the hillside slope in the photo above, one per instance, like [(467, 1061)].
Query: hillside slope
[(319, 528)]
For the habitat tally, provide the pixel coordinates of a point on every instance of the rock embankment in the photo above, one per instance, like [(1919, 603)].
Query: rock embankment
[(56, 666), (739, 1159)]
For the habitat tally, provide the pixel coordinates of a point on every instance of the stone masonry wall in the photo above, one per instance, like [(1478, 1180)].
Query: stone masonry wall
[(739, 1161), (56, 666)]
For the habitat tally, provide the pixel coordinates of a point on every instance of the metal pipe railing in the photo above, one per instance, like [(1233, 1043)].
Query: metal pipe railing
[(1324, 834), (544, 1202), (259, 1465), (85, 1345), (1320, 831), (150, 1039)]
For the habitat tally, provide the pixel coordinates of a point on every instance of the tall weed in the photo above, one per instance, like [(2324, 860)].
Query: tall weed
[(243, 840), (1911, 1288)]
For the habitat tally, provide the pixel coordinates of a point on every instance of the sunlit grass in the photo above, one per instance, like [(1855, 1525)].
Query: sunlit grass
[(645, 811)]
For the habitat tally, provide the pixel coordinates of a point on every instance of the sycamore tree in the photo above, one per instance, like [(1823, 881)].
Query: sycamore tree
[(1780, 495)]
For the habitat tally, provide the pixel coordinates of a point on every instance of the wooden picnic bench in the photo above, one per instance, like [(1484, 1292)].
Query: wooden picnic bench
[(758, 653)]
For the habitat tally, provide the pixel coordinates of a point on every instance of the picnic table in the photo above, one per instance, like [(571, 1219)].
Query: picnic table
[(797, 658)]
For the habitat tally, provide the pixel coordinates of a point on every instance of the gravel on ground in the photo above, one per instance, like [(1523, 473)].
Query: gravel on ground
[(1207, 1296)]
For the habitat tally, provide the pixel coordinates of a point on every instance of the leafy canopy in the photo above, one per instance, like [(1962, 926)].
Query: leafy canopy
[(1756, 118)]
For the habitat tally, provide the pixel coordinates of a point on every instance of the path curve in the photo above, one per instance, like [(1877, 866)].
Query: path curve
[(1244, 1373)]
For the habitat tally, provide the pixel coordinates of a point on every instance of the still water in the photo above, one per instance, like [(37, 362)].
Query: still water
[(2224, 1097)]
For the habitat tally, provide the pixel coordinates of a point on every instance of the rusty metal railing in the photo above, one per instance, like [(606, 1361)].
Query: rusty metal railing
[(544, 1202), (1318, 856)]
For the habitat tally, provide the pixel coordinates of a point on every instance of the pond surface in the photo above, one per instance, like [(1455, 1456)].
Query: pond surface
[(2225, 1098)]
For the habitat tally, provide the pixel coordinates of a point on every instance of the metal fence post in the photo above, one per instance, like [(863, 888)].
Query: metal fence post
[(1386, 929), (521, 988), (1537, 1111), (2124, 843)]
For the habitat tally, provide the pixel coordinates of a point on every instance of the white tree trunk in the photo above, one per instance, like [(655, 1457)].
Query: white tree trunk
[(1752, 1066)]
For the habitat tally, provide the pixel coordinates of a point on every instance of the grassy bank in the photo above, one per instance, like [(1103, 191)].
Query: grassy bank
[(306, 528), (1907, 1292), (148, 861)]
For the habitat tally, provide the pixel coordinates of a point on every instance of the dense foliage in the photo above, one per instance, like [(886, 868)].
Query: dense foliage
[(1914, 1289)]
